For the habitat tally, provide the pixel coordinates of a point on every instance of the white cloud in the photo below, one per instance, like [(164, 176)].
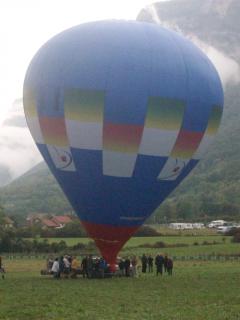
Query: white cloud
[(227, 67), (17, 149)]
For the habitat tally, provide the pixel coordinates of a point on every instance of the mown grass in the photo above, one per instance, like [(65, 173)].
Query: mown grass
[(196, 291), (196, 245)]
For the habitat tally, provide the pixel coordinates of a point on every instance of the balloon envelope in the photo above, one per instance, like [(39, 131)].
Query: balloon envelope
[(121, 112)]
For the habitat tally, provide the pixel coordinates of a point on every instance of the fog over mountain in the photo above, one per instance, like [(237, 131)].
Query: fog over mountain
[(213, 25), (17, 149)]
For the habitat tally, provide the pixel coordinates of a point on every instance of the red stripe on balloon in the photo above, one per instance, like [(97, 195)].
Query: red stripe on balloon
[(109, 239), (122, 137), (186, 144), (54, 131)]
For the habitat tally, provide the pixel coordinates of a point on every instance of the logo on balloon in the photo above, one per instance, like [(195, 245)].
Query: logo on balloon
[(62, 158), (172, 169)]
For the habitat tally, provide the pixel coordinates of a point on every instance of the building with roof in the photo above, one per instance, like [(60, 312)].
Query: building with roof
[(8, 223), (61, 220), (46, 221)]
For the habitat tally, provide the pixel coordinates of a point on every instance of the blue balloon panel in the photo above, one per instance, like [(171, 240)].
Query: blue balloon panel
[(121, 111)]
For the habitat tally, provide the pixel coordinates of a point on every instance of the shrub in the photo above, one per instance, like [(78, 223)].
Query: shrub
[(232, 232), (161, 244), (236, 237), (146, 231)]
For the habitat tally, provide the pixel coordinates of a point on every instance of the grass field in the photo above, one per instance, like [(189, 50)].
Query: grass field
[(135, 241), (198, 290), (223, 245), (201, 291)]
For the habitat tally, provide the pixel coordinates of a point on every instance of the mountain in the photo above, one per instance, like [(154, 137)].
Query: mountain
[(35, 191), (5, 175), (214, 21), (212, 190)]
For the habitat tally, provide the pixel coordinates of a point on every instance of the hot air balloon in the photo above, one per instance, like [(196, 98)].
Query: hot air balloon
[(121, 111)]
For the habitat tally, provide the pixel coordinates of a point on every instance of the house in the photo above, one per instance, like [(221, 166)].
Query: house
[(61, 221), (45, 221), (34, 219), (8, 223), (48, 224)]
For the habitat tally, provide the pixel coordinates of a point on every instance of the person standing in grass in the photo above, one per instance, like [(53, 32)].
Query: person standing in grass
[(84, 267), (121, 265), (102, 267), (144, 263), (127, 264), (55, 269), (134, 266), (74, 267), (165, 263), (67, 265), (159, 261), (2, 271), (61, 267), (169, 266), (89, 266), (150, 263)]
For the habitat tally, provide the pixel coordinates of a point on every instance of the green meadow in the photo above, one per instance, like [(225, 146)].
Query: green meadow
[(195, 245), (198, 289)]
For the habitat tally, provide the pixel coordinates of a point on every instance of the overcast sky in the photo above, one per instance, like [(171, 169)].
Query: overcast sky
[(26, 24)]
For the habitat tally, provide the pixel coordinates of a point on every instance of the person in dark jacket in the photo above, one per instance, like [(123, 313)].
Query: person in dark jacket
[(2, 271), (84, 267), (150, 263), (127, 263), (169, 266), (165, 263), (102, 267), (61, 267), (159, 261), (144, 263), (89, 266), (121, 266)]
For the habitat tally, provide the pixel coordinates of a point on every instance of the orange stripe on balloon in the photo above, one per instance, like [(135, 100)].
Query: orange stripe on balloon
[(54, 131), (186, 144), (122, 137)]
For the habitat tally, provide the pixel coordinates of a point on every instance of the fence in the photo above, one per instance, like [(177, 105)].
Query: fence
[(175, 258)]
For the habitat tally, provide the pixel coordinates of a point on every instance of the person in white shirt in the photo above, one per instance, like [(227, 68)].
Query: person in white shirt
[(55, 268), (67, 266)]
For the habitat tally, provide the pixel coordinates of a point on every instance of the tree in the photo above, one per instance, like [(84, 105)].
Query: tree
[(2, 215)]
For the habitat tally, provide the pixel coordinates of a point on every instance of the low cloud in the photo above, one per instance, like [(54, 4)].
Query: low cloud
[(15, 121), (227, 67), (17, 148)]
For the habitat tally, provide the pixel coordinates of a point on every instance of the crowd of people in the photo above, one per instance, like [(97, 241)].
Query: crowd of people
[(69, 266), (96, 267), (162, 263)]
